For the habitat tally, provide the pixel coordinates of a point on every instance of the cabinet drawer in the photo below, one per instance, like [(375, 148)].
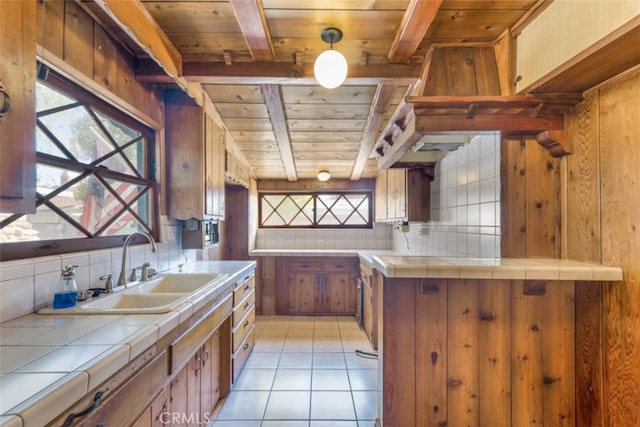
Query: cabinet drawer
[(298, 266), (243, 308), (242, 290), (347, 266), (182, 349), (243, 353), (243, 328)]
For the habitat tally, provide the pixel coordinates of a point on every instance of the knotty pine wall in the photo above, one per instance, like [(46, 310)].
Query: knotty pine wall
[(69, 38), (586, 206), (603, 226)]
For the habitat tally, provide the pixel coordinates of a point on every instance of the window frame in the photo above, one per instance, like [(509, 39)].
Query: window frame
[(37, 248), (315, 194)]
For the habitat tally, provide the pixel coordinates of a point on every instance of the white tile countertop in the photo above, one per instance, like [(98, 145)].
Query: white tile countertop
[(395, 264), (493, 268), (48, 362)]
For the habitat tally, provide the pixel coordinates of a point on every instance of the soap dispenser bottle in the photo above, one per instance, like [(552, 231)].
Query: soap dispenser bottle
[(67, 293)]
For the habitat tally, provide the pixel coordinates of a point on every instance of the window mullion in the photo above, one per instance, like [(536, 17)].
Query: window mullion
[(59, 145)]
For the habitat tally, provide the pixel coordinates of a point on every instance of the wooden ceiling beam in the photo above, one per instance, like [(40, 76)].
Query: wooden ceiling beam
[(135, 20), (275, 106), (415, 23), (379, 106), (253, 24), (276, 73)]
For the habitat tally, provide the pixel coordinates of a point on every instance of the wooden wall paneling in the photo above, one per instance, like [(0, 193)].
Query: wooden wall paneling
[(513, 221), (558, 353), (462, 354), (236, 223), (398, 332), (542, 175), (589, 355), (17, 133), (494, 350), (431, 348), (50, 26), (583, 182), (267, 285), (105, 60), (78, 38), (526, 357), (126, 81), (619, 137)]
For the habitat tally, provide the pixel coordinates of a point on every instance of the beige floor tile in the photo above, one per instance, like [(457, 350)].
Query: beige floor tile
[(333, 405), (288, 405)]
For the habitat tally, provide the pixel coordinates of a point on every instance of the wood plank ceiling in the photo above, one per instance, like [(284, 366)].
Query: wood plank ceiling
[(255, 61)]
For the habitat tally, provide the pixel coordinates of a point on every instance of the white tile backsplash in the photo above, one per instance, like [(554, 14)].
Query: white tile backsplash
[(465, 205), (28, 285), (378, 237)]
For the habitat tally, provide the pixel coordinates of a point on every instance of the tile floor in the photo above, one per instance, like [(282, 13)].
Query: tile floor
[(304, 372)]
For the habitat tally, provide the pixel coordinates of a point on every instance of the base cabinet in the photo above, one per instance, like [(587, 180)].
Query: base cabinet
[(369, 303), (195, 390), (243, 319), (316, 285)]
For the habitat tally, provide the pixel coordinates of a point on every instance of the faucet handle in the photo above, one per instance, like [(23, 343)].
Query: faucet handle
[(147, 271), (108, 285), (134, 274)]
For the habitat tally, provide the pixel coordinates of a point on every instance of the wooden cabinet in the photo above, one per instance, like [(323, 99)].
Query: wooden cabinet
[(132, 391), (316, 285), (243, 321), (195, 160), (403, 195), (195, 390), (369, 302), (17, 130), (158, 414)]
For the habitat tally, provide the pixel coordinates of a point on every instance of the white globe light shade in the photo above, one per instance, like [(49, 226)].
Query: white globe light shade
[(330, 69)]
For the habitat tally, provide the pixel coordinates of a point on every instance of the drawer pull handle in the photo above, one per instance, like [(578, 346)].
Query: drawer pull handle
[(246, 346), (246, 323), (246, 288), (246, 305), (72, 416)]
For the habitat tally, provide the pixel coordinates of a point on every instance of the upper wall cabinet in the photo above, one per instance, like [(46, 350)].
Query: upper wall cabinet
[(403, 195), (17, 101), (195, 160)]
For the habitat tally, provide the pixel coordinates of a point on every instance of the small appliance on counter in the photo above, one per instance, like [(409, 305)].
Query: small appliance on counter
[(198, 233)]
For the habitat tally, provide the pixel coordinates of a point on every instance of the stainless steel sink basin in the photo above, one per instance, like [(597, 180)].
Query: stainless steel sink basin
[(160, 295)]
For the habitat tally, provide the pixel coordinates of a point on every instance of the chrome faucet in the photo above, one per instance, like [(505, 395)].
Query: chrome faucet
[(122, 278)]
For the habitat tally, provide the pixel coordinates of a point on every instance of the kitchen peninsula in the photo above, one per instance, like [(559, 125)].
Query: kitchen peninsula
[(478, 341)]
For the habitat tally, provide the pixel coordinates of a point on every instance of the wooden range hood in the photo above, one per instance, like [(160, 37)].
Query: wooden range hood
[(459, 92)]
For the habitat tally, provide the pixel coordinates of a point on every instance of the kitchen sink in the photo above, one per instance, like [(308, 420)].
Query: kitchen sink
[(177, 283), (123, 301), (160, 295)]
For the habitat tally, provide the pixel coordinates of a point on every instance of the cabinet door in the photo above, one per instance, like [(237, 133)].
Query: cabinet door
[(17, 133), (341, 289), (178, 392), (302, 289), (396, 182), (381, 196), (322, 296), (194, 373), (160, 409)]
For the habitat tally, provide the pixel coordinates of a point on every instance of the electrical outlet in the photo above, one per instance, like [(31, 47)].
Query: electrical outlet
[(171, 234)]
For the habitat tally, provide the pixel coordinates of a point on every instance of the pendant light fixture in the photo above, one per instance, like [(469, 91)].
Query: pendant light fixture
[(330, 68)]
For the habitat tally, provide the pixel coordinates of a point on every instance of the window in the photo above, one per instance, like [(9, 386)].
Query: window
[(316, 210), (94, 171)]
